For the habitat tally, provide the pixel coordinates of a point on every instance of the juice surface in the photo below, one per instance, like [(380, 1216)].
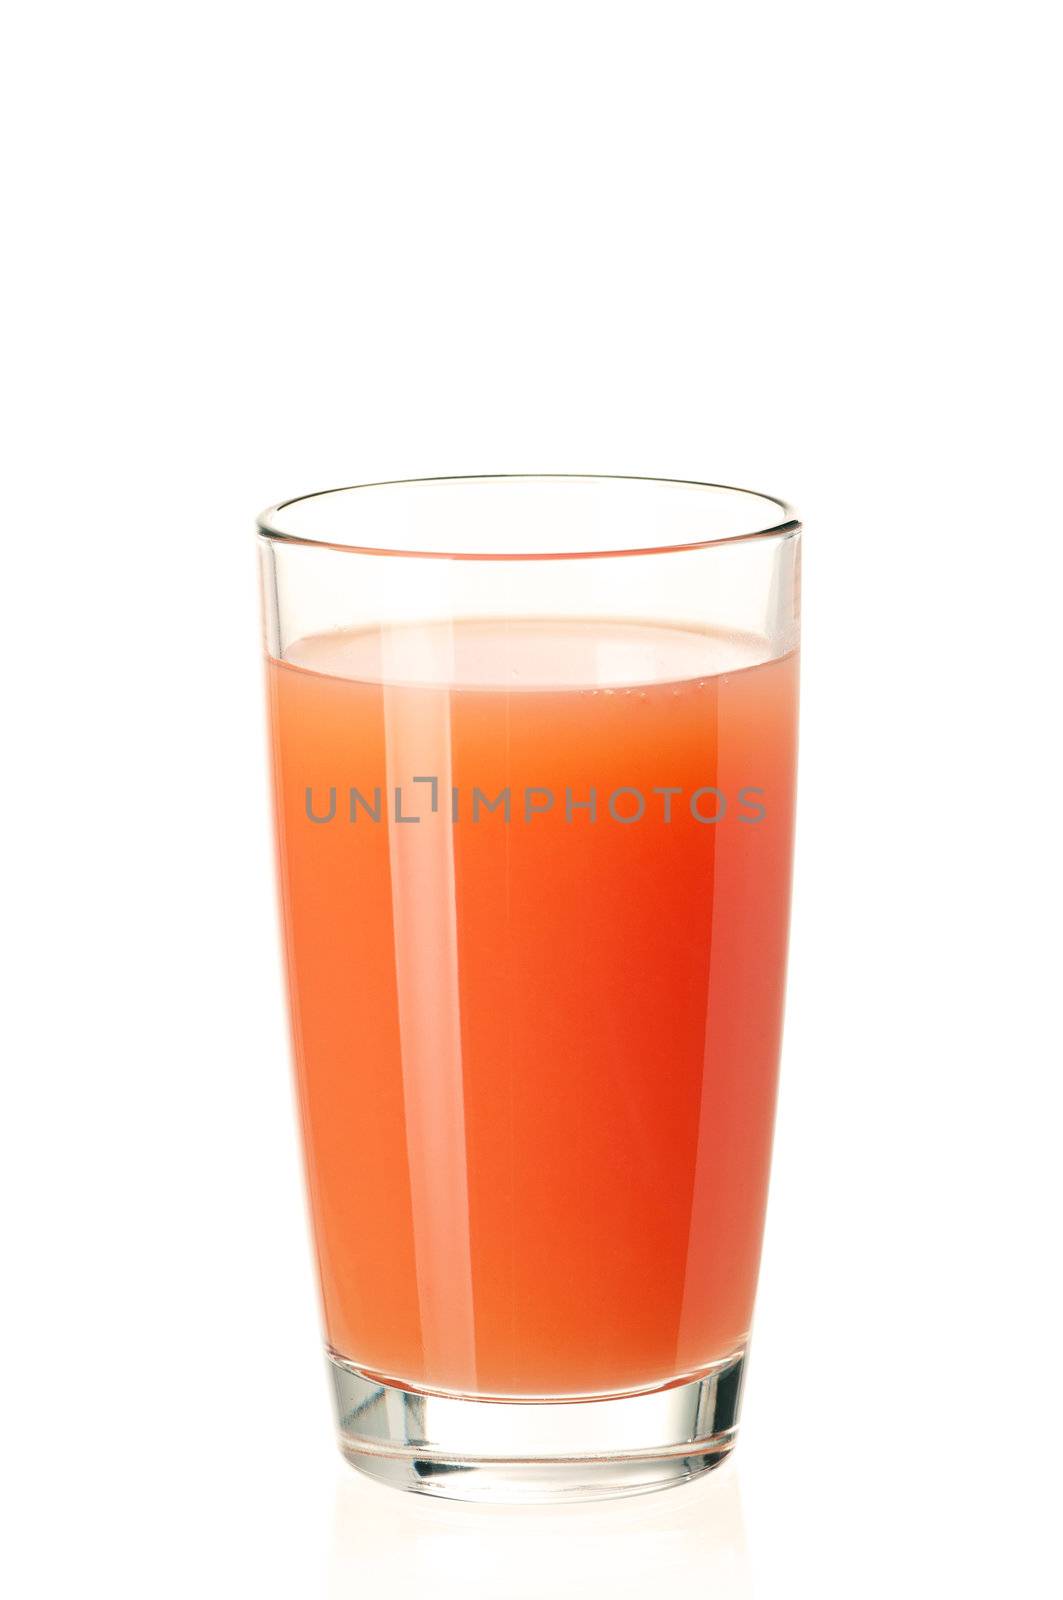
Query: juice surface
[(536, 1042)]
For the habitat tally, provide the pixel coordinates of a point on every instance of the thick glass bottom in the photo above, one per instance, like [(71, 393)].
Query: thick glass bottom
[(537, 1450)]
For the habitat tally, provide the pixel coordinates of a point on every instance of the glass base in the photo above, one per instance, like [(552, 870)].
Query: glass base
[(537, 1450)]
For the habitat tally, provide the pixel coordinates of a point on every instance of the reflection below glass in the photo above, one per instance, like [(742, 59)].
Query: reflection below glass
[(394, 1546)]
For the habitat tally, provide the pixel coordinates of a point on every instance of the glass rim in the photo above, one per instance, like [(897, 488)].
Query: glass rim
[(781, 521)]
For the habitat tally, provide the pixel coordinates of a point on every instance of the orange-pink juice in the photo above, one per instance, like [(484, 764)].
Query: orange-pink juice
[(536, 1054)]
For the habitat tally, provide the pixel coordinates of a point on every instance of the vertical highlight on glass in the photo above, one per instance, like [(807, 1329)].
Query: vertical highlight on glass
[(533, 752)]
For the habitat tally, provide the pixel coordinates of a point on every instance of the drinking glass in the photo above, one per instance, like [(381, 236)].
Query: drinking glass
[(533, 746)]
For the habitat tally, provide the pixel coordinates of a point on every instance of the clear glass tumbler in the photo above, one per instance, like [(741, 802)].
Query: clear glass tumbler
[(534, 743)]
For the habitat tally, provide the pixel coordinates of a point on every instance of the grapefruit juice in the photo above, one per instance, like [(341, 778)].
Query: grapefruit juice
[(535, 885)]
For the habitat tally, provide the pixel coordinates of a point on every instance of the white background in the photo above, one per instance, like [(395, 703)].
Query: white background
[(260, 249)]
